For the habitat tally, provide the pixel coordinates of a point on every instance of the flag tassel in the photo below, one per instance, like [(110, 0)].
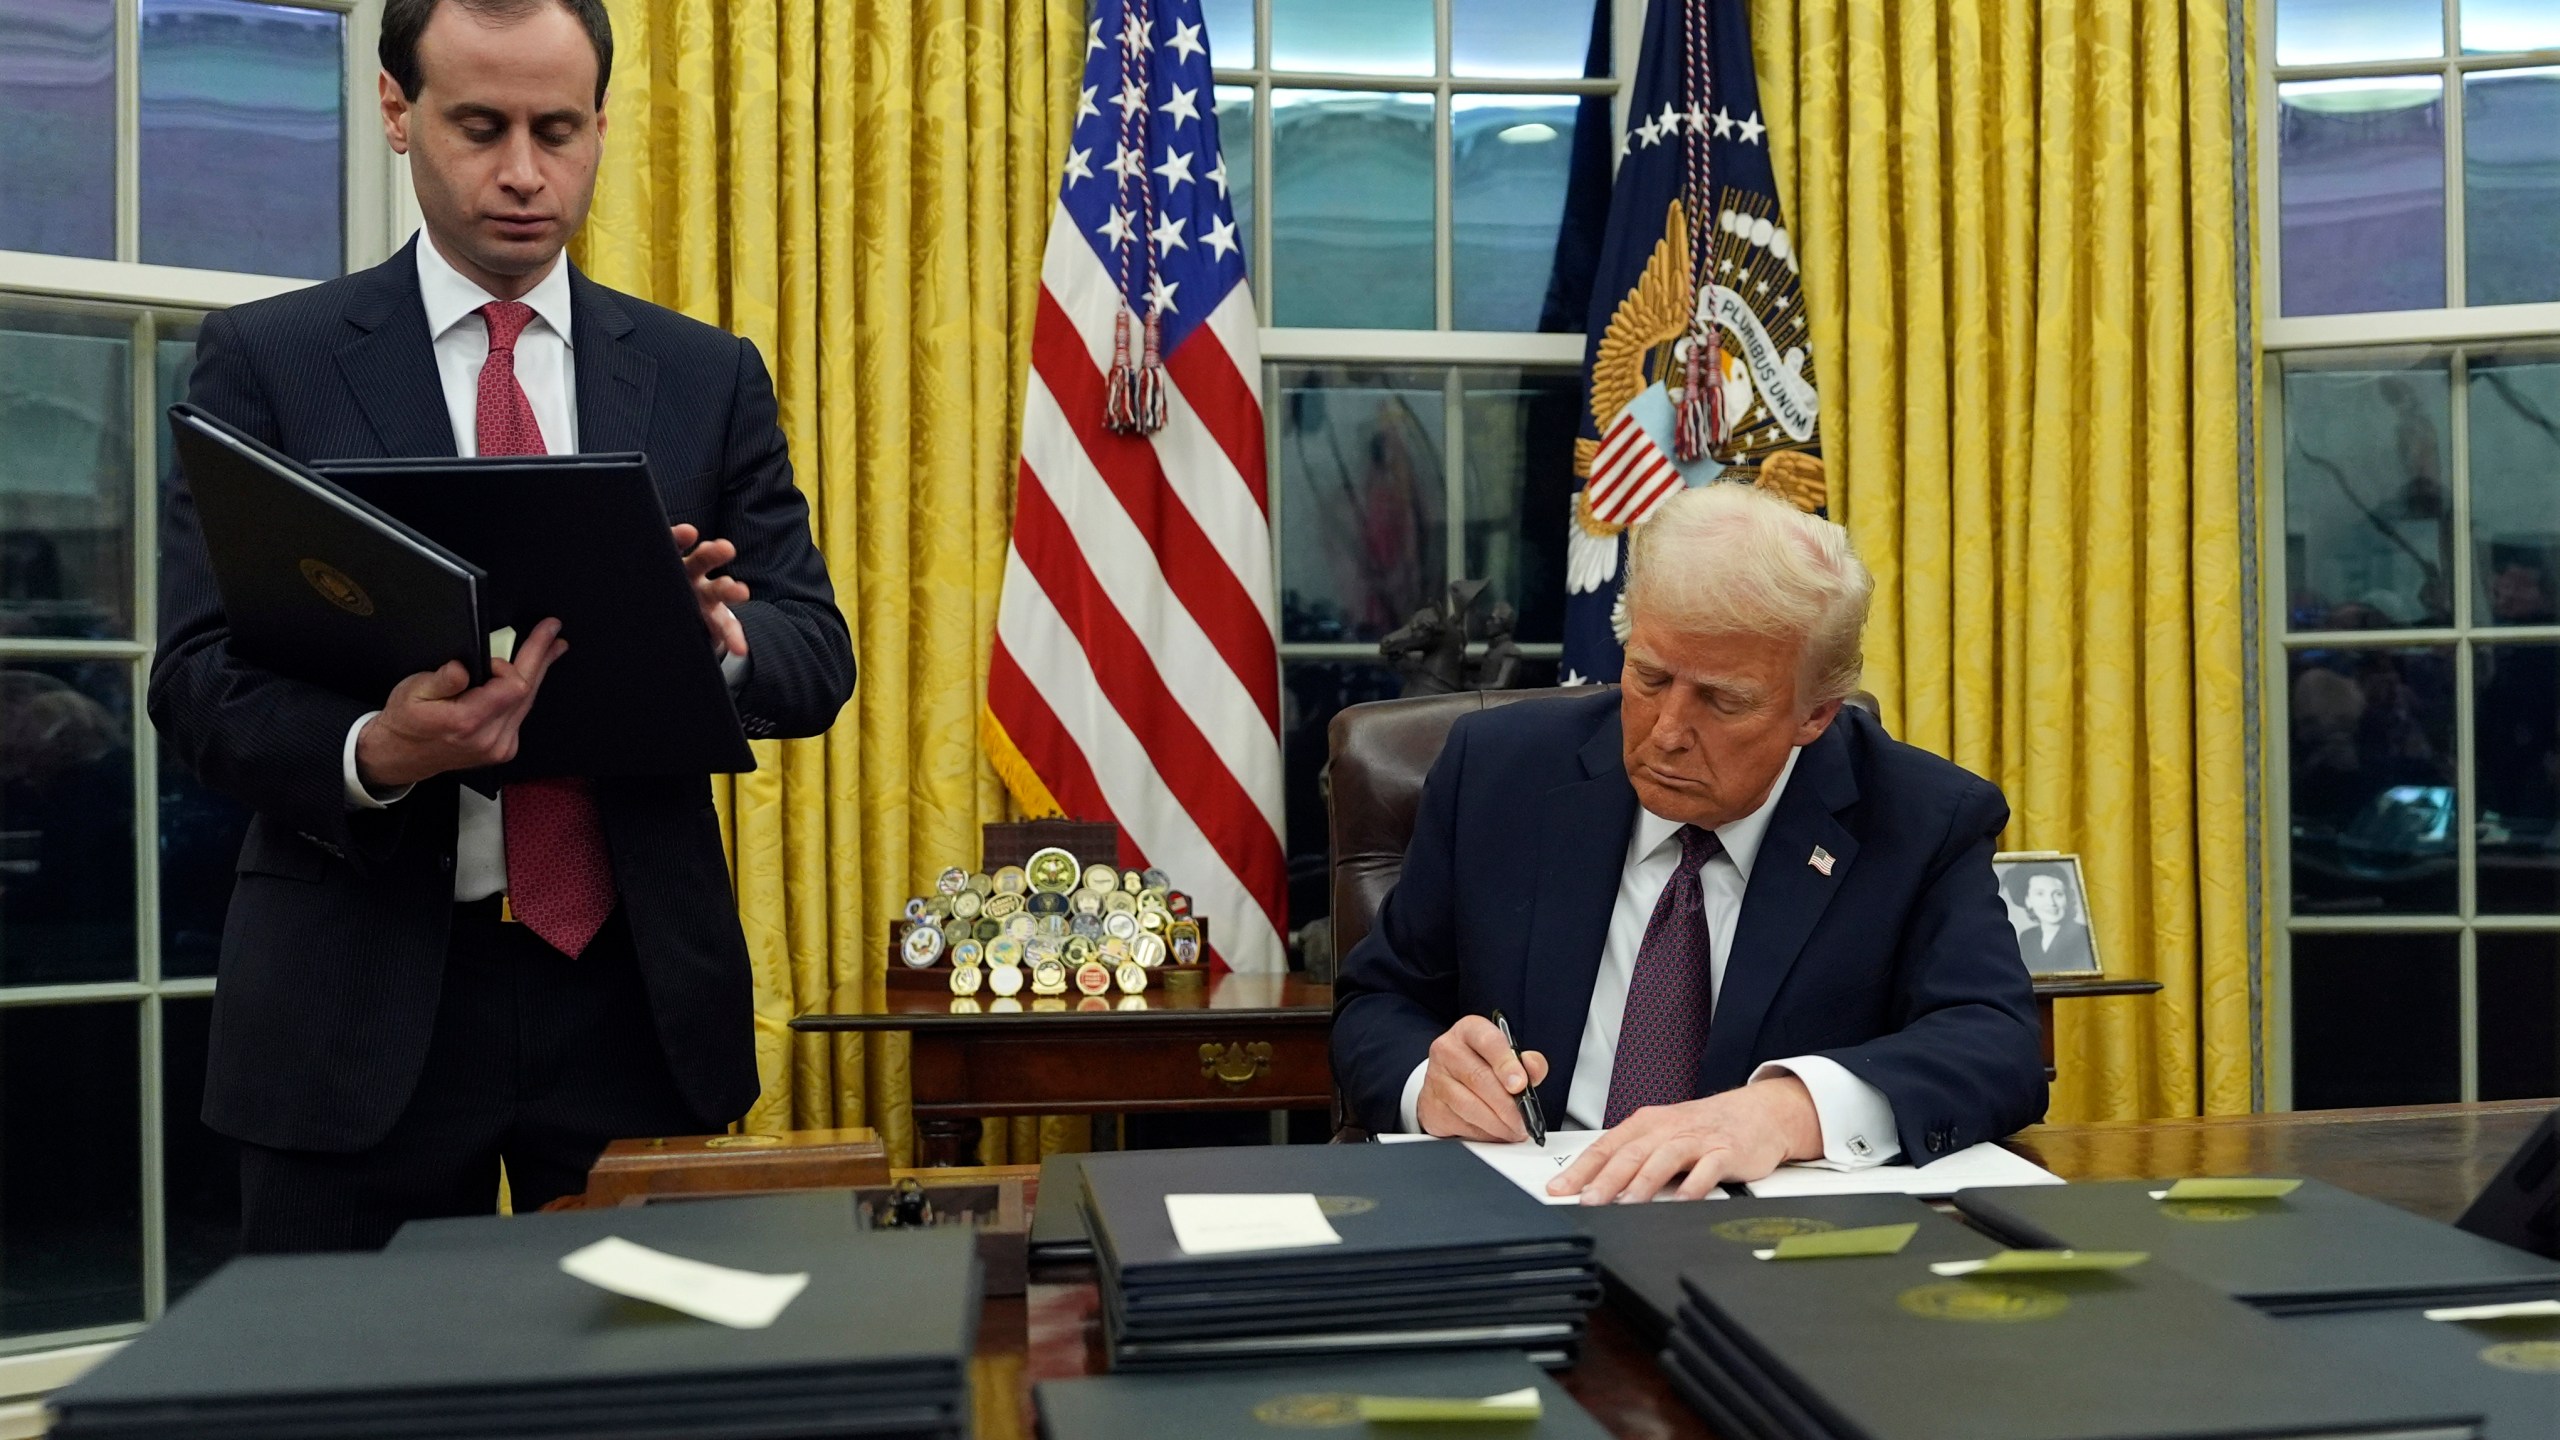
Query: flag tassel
[(1689, 418), (1149, 396), (1120, 388)]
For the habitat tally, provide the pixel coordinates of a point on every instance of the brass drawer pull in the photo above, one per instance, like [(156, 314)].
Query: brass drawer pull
[(1237, 1065)]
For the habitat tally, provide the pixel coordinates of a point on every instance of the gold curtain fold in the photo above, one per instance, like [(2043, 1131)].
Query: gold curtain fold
[(863, 190), (2017, 227)]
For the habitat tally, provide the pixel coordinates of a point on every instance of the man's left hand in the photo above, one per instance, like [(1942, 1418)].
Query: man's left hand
[(1739, 1135), (714, 593)]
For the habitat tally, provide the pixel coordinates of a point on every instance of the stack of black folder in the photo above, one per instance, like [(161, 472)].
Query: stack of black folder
[(1438, 1252), (1278, 1399), (2319, 1248), (472, 1329), (1883, 1348)]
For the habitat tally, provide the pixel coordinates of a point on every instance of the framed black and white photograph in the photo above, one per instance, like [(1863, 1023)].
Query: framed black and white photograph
[(2049, 908)]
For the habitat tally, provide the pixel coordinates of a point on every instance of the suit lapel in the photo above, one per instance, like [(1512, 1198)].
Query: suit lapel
[(1783, 902), (1582, 829), (616, 381), (391, 362)]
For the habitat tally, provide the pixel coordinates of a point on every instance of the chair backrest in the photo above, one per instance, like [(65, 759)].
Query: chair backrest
[(1380, 753)]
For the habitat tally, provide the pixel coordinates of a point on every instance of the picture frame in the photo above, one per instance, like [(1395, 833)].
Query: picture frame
[(2048, 902)]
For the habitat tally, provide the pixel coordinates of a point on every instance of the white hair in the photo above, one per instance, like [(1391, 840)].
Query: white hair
[(1734, 557)]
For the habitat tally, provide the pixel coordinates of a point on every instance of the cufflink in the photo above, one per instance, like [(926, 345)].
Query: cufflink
[(1859, 1147)]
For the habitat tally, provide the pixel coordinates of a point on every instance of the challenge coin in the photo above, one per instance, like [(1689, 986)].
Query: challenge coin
[(1052, 871), (922, 947)]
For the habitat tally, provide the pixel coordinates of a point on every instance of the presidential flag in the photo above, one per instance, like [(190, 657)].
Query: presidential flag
[(1699, 365), (1136, 673)]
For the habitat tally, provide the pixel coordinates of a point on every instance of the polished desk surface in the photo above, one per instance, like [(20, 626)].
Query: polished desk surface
[(2429, 1159), (1256, 999)]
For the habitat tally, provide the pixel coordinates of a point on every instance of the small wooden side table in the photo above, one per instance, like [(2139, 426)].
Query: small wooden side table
[(1246, 1042), (2048, 991)]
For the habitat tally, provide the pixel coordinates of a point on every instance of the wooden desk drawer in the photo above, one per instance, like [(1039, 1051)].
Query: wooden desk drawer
[(1209, 1067)]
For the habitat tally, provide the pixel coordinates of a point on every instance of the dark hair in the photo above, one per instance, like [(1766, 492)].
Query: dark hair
[(403, 21), (2020, 877)]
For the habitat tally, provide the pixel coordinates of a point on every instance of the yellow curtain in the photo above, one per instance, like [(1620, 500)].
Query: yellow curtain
[(2017, 226), (862, 189)]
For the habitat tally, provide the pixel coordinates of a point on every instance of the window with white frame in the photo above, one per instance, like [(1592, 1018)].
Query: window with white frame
[(162, 159), (2409, 202), (1403, 169)]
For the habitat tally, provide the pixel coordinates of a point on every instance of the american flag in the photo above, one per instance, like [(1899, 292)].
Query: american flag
[(1136, 673)]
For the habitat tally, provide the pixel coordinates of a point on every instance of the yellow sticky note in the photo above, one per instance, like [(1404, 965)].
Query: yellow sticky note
[(2245, 1188), (1522, 1404), (502, 643), (2044, 1262), (1832, 1244)]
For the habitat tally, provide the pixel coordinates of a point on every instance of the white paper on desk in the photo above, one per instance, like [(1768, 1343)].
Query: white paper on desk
[(1531, 1166), (2512, 1310), (1236, 1224), (739, 1299), (1978, 1167)]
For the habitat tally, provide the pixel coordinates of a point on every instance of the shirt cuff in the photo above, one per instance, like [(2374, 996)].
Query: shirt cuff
[(359, 795), (733, 668), (1856, 1119), (1410, 1107)]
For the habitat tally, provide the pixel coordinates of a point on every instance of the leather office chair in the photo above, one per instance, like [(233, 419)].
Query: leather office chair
[(1373, 789)]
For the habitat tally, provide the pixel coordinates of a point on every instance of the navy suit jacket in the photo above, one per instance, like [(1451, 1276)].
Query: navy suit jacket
[(1899, 964), (334, 949)]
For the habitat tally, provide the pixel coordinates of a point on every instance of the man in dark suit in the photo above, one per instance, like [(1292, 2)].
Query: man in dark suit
[(421, 975), (1730, 922)]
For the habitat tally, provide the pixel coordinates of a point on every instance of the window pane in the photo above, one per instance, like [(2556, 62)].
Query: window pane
[(70, 1167), (1362, 500), (2515, 763), (2519, 1015), (2511, 185), (202, 1168), (1235, 151), (2515, 491), (2489, 25), (66, 476), (58, 110), (66, 821), (2368, 513), (2360, 173), (1521, 39), (2377, 1020), (1512, 154), (2330, 32), (1351, 209), (1352, 37), (1313, 692), (2373, 787), (1229, 32), (243, 100), (1519, 459)]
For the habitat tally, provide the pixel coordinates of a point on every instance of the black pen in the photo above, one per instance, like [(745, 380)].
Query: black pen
[(1530, 1113)]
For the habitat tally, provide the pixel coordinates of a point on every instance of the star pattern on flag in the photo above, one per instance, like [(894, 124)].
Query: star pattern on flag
[(1159, 210), (1752, 129)]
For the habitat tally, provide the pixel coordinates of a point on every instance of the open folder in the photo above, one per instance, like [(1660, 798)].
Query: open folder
[(580, 538)]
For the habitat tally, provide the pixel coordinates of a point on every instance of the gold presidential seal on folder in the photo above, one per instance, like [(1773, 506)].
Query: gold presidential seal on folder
[(1769, 1229), (2533, 1357), (1983, 1301), (336, 588)]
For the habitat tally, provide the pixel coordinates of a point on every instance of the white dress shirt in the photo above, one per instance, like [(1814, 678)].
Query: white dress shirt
[(1856, 1119), (547, 369)]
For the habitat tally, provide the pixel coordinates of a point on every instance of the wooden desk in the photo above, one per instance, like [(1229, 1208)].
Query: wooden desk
[(1248, 1042), (2429, 1159)]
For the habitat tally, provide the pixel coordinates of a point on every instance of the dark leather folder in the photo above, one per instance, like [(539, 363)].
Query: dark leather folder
[(1304, 1398), (2319, 1248), (2509, 1369), (317, 584), (581, 539), (1880, 1348), (1646, 1250)]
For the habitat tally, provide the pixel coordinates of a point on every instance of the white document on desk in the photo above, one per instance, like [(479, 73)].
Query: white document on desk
[(1979, 1167), (1241, 1224), (1531, 1166), (739, 1299)]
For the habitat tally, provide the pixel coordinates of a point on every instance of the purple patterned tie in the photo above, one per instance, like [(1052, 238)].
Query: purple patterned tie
[(1665, 1026)]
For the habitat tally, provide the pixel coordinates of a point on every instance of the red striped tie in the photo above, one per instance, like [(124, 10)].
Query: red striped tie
[(559, 875), (1668, 1000)]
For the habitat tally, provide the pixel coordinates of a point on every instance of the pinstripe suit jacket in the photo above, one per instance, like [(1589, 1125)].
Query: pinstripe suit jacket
[(333, 955)]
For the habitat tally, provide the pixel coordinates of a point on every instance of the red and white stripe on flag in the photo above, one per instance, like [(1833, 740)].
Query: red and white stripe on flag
[(1630, 474), (1136, 672)]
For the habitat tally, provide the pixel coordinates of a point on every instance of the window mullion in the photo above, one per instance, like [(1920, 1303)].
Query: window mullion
[(129, 130)]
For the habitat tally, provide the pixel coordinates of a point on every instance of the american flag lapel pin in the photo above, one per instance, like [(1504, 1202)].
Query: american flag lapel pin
[(1821, 860)]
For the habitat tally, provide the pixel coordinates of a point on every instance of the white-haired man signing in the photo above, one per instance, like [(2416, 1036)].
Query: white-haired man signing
[(1728, 921)]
